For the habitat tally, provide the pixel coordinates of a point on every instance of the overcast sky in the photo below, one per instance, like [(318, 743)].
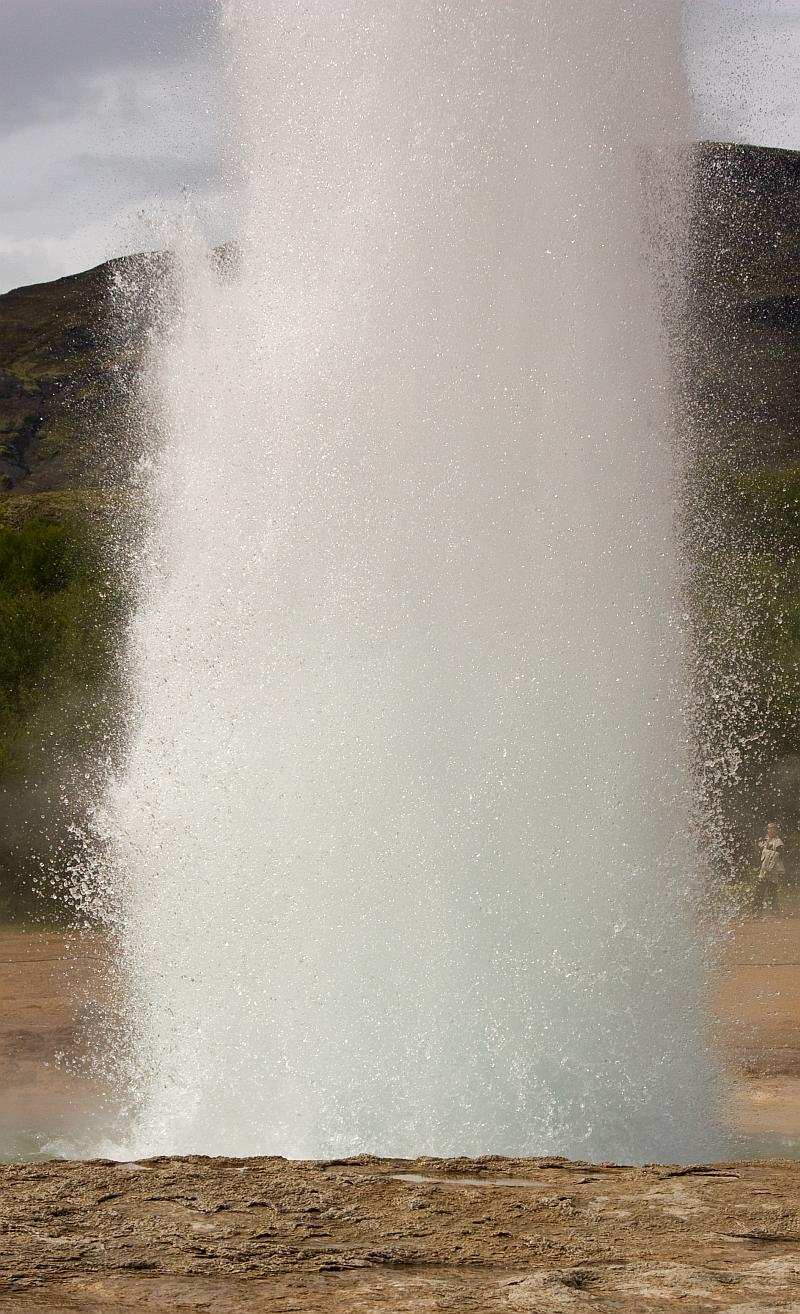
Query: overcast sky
[(107, 114)]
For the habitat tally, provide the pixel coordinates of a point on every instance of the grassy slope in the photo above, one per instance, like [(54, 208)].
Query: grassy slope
[(61, 377), (744, 513), (59, 626)]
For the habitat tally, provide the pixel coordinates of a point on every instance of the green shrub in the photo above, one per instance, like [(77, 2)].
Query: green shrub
[(59, 630)]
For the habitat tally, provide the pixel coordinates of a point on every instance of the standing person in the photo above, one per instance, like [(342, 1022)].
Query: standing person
[(770, 871)]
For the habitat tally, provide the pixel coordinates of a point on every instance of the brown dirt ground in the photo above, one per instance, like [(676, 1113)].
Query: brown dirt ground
[(366, 1235), (51, 1000), (757, 1025)]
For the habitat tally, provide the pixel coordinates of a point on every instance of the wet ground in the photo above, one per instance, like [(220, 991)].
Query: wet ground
[(757, 1030), (402, 1237), (54, 1009)]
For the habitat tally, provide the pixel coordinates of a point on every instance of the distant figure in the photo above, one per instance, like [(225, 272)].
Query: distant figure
[(770, 871)]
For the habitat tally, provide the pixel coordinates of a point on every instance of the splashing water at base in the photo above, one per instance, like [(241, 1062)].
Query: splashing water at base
[(399, 850)]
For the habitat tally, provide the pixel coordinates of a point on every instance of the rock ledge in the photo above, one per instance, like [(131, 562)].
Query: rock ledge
[(361, 1235)]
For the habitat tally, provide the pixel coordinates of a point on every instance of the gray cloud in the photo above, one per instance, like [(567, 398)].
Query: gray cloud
[(745, 64), (128, 177), (52, 50), (107, 116)]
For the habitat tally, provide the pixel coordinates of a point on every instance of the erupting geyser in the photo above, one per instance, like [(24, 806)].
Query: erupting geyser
[(399, 851)]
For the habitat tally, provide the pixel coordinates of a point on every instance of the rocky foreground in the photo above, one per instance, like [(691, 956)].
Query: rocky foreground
[(359, 1235)]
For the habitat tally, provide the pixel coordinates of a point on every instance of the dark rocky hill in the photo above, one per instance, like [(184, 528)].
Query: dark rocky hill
[(65, 363), (746, 339), (52, 373)]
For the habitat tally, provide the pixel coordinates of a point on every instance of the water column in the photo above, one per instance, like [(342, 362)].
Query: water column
[(399, 853)]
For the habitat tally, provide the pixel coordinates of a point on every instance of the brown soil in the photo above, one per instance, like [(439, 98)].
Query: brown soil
[(366, 1235), (369, 1235), (52, 988), (757, 1007)]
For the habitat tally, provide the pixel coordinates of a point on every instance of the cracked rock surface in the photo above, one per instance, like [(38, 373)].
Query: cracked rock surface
[(361, 1235)]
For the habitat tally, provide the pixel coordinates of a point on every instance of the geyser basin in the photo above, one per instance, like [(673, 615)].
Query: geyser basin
[(399, 853)]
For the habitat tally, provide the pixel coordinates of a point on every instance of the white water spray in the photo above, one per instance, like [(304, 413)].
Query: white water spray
[(400, 847)]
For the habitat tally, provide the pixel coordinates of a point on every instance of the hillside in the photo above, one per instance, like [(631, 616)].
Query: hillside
[(746, 342), (65, 447), (56, 382), (742, 514), (63, 454)]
